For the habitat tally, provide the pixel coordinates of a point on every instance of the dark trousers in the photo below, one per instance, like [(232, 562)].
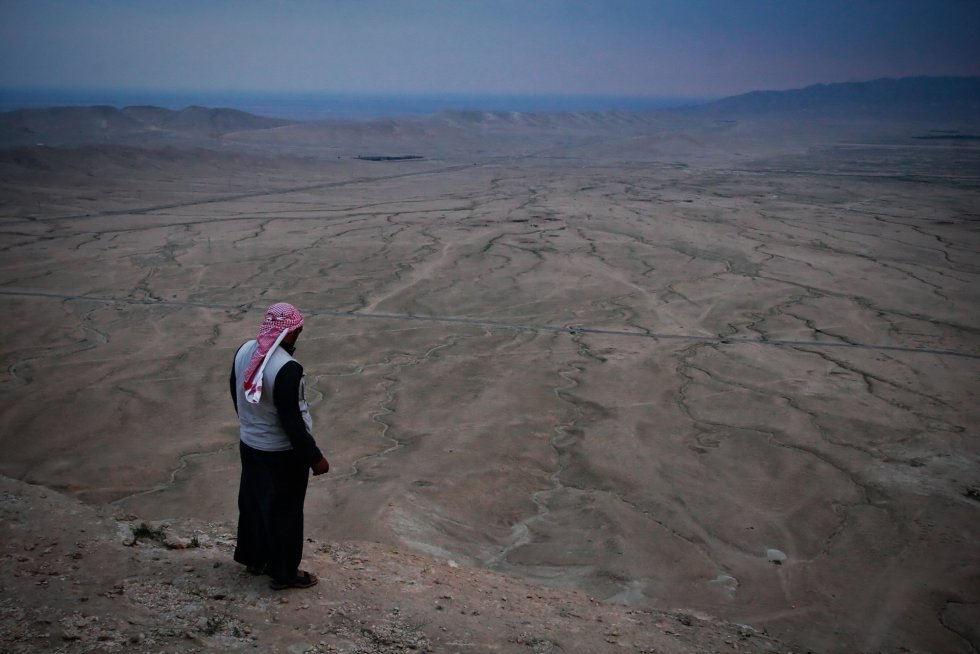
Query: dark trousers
[(270, 511)]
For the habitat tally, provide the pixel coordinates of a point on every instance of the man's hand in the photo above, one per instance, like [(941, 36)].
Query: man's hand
[(320, 467)]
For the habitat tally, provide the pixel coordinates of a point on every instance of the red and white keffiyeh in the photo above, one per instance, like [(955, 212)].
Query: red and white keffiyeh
[(280, 320)]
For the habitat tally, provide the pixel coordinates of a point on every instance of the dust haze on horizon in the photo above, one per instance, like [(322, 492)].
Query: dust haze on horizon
[(694, 49)]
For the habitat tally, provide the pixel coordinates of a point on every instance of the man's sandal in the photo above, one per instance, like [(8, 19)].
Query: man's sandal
[(302, 579)]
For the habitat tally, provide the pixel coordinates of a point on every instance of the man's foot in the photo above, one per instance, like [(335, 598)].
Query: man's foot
[(302, 579)]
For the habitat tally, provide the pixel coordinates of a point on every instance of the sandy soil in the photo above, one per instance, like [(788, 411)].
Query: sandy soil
[(686, 375)]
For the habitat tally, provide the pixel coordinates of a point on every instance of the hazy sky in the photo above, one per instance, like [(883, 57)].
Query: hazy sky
[(688, 48)]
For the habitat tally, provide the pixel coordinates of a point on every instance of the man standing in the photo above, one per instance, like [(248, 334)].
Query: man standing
[(277, 450)]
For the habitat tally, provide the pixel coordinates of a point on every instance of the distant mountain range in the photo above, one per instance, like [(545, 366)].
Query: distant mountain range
[(103, 124), (908, 97), (913, 98)]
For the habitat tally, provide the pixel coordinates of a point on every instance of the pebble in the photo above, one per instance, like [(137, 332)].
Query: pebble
[(175, 542), (125, 534), (775, 556)]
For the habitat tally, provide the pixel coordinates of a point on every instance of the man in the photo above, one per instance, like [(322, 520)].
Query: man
[(277, 450)]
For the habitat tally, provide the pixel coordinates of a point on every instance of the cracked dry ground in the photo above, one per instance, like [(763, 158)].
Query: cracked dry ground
[(749, 393)]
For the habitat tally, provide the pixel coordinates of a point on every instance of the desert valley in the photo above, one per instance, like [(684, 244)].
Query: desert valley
[(684, 381)]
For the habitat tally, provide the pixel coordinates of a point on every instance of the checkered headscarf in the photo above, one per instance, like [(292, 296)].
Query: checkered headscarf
[(280, 320)]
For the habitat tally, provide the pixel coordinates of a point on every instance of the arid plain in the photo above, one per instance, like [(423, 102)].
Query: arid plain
[(726, 367)]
